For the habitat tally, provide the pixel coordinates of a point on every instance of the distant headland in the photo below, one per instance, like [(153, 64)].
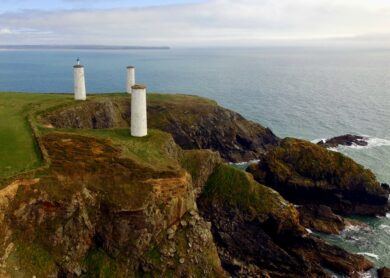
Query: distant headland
[(82, 47)]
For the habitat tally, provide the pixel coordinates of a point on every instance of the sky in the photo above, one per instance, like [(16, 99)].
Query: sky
[(192, 23)]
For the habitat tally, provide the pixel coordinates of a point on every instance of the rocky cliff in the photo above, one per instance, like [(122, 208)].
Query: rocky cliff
[(95, 211), (105, 204), (258, 233)]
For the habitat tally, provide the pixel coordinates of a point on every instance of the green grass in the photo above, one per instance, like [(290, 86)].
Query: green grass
[(19, 151), (229, 185), (180, 98)]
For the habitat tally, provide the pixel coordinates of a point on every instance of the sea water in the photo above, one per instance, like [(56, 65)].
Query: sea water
[(309, 93)]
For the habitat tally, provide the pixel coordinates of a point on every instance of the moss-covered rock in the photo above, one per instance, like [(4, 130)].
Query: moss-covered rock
[(200, 164), (305, 173), (236, 188), (97, 208)]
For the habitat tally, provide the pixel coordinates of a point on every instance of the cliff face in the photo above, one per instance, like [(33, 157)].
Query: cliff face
[(194, 123), (258, 233), (94, 211)]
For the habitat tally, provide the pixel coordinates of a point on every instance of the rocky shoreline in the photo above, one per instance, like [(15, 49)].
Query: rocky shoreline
[(101, 207)]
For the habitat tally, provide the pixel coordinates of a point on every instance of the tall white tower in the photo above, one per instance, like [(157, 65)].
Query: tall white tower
[(79, 82), (139, 126), (130, 78)]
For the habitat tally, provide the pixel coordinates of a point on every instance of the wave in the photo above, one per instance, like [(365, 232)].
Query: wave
[(372, 143), (368, 274), (246, 163), (385, 228), (371, 255), (353, 228), (308, 230)]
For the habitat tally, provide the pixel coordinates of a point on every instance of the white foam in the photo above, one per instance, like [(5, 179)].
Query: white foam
[(365, 275), (388, 215), (372, 142), (371, 255), (316, 141), (250, 162), (352, 228), (385, 228), (309, 231)]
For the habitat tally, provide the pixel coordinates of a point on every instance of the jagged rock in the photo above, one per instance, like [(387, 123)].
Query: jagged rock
[(386, 187), (344, 140), (305, 173), (194, 123), (321, 218)]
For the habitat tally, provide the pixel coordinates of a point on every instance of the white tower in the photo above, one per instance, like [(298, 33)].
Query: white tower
[(139, 127), (130, 78), (79, 82)]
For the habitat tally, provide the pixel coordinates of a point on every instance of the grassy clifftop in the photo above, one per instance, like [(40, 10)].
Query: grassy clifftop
[(18, 150), (18, 112)]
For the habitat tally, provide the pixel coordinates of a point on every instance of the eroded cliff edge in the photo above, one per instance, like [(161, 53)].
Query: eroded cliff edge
[(107, 205)]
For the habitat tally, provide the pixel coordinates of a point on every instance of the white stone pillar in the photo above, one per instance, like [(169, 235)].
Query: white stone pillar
[(139, 127), (130, 78), (79, 83)]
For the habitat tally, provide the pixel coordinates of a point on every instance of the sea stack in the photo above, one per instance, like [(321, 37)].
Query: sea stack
[(130, 78), (139, 126), (79, 82)]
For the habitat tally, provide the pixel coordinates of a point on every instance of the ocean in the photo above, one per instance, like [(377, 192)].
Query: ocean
[(310, 93)]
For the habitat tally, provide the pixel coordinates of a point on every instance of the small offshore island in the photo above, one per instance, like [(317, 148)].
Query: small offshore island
[(80, 197)]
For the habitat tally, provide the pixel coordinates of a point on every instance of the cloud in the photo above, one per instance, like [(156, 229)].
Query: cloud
[(5, 31), (214, 22)]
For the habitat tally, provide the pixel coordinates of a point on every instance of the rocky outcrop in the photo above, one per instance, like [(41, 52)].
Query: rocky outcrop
[(321, 219), (194, 123), (305, 173), (258, 233), (344, 140)]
